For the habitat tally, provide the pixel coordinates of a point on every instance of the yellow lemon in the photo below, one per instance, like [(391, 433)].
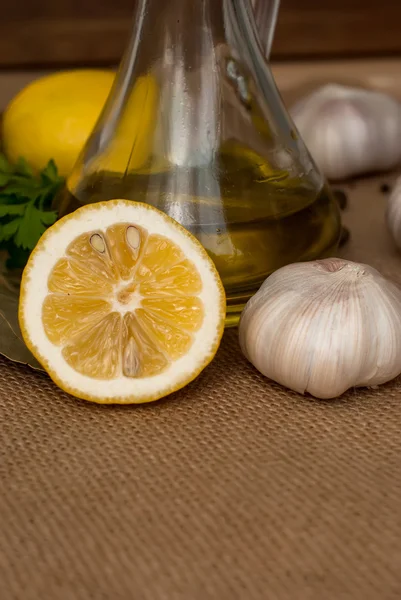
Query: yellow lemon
[(120, 304), (131, 144), (53, 117)]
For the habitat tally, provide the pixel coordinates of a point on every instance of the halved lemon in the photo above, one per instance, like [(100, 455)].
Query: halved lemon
[(120, 304)]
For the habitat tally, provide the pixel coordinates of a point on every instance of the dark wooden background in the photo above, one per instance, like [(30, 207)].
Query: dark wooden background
[(60, 32)]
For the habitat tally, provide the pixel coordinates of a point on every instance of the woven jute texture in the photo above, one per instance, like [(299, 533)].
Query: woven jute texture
[(233, 488)]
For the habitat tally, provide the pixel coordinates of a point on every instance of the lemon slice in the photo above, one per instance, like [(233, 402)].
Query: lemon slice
[(120, 304)]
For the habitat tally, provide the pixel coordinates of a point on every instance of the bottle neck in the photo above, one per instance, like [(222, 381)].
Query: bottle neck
[(211, 82), (191, 27), (194, 12)]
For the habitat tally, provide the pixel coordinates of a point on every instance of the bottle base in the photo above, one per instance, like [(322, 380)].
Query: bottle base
[(237, 302), (233, 315)]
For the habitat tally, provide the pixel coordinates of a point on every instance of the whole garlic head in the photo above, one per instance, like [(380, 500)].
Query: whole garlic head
[(324, 326), (350, 131), (393, 214)]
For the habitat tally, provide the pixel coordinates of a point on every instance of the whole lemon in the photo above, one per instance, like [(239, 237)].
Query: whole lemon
[(53, 117)]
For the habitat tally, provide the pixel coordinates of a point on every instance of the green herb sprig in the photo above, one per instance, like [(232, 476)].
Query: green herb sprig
[(25, 207)]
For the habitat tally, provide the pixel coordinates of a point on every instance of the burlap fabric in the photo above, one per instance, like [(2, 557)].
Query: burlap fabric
[(233, 488)]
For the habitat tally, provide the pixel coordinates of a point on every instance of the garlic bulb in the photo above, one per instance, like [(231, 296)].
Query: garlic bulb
[(324, 326), (393, 215), (350, 131)]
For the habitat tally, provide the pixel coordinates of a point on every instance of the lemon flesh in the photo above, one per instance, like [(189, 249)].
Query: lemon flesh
[(118, 293), (122, 299)]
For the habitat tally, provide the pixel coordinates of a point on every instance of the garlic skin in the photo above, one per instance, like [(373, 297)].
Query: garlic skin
[(323, 327), (393, 213), (350, 131)]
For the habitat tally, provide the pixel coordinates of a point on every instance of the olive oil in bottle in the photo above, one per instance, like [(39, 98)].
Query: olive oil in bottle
[(249, 222), (195, 126)]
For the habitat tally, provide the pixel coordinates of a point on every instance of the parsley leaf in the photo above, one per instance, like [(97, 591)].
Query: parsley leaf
[(32, 225), (48, 217), (22, 168), (49, 173), (4, 179), (25, 206), (5, 166), (10, 228), (12, 209)]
